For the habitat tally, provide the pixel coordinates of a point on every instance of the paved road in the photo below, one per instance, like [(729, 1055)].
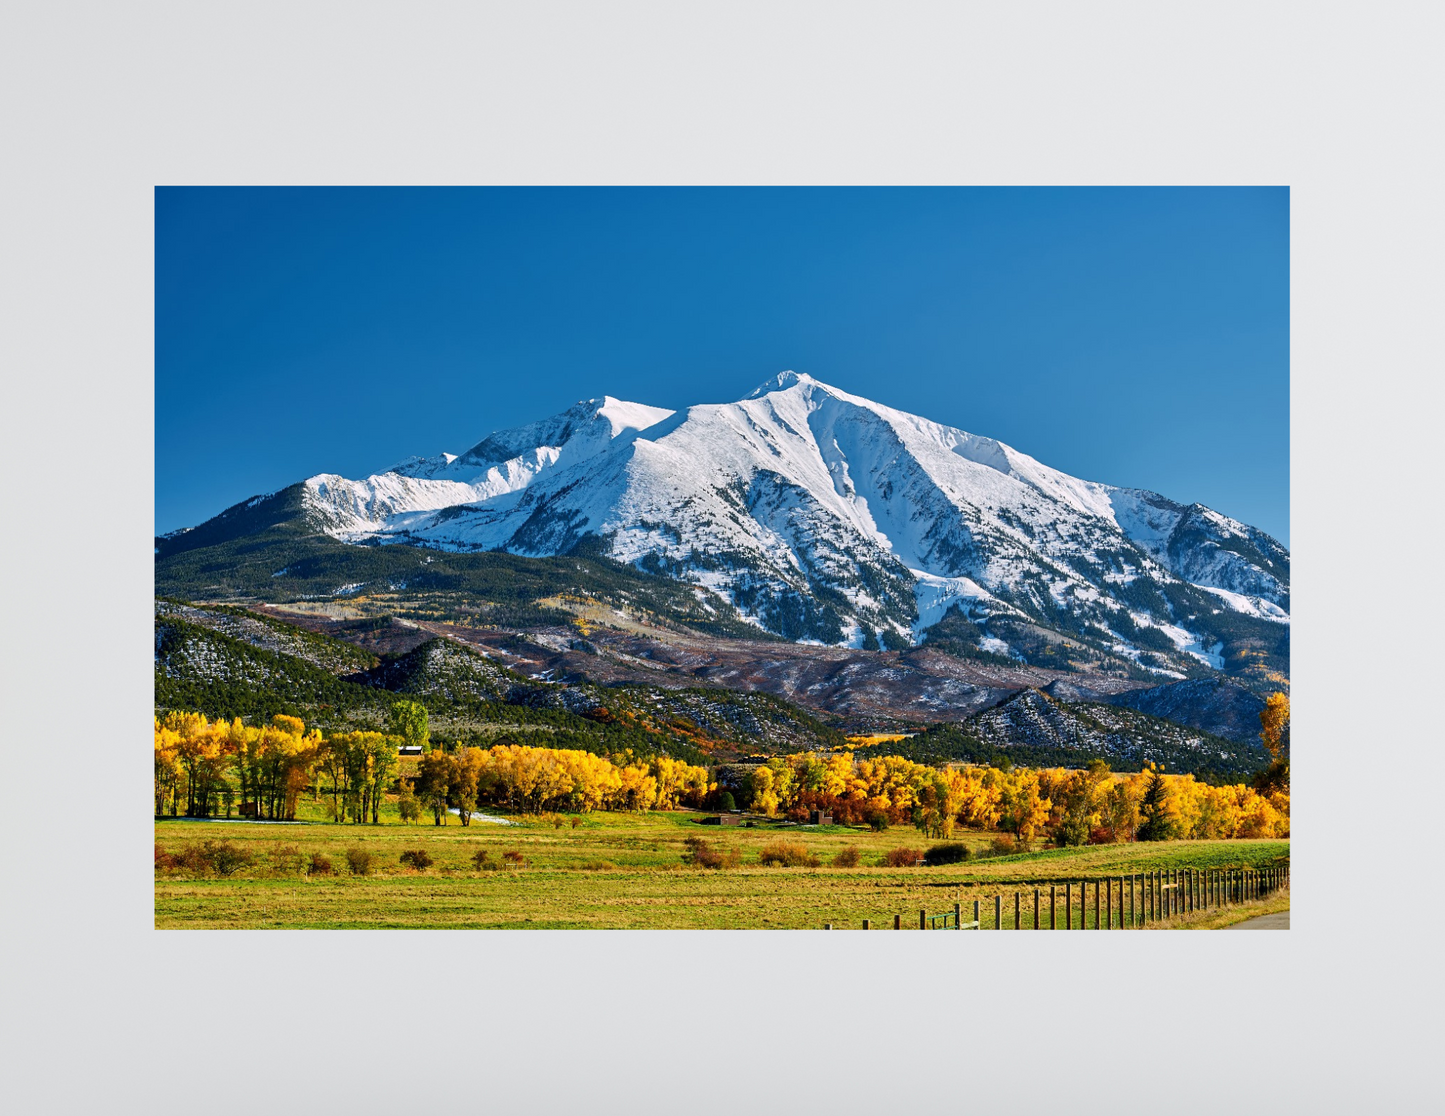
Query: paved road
[(1276, 921)]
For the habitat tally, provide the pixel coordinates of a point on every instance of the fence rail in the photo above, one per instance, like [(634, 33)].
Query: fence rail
[(1160, 895)]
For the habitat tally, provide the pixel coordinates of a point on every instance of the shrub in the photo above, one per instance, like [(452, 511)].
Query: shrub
[(225, 858), (286, 860), (877, 821), (320, 864), (704, 855), (513, 859), (847, 857), (787, 854), (417, 858), (598, 866), (558, 822), (359, 861), (483, 861), (726, 801), (576, 821), (1004, 845), (901, 858), (192, 858), (164, 860), (952, 853)]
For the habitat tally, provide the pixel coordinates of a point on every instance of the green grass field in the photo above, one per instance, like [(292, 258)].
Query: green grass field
[(622, 871)]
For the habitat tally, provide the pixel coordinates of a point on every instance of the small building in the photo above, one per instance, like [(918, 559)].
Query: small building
[(817, 817), (723, 819)]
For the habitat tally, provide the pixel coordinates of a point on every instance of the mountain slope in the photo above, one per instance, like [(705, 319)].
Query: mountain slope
[(1034, 729), (821, 516)]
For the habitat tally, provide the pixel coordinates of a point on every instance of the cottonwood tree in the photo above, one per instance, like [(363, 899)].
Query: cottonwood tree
[(435, 774), (408, 720)]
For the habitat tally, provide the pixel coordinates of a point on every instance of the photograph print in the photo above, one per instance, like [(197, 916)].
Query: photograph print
[(722, 558)]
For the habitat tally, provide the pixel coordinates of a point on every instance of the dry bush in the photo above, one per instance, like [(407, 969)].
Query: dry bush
[(221, 857), (192, 858), (482, 860), (576, 821), (164, 860), (703, 854), (226, 858), (1003, 845), (847, 857), (598, 866), (359, 861), (558, 822), (286, 860), (419, 859), (902, 858), (513, 859), (320, 864), (787, 854)]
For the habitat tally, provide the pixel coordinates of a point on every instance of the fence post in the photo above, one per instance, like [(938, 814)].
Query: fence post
[(976, 924), (1096, 906), (1108, 904), (865, 924), (1132, 922), (1053, 918), (1036, 908), (957, 917), (922, 919), (827, 926), (898, 922), (998, 912), (1069, 905), (1016, 910)]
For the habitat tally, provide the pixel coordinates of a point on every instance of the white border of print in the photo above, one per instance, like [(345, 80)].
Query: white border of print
[(104, 102)]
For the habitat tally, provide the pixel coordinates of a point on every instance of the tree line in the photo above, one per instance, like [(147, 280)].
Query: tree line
[(202, 766)]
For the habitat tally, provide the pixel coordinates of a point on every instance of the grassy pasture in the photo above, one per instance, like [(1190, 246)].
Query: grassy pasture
[(624, 871)]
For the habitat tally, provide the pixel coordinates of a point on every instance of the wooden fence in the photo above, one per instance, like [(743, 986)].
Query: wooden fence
[(1118, 902)]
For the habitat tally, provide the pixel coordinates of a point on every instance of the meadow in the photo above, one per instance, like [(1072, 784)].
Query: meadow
[(622, 870)]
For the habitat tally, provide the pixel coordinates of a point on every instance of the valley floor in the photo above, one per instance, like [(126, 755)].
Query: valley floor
[(619, 871)]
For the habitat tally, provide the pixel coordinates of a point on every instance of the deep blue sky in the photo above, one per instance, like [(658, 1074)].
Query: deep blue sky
[(1134, 336)]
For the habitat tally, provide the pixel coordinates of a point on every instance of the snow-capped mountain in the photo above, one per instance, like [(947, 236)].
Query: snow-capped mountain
[(824, 516)]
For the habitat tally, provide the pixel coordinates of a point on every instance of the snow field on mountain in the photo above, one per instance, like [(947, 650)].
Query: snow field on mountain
[(801, 500)]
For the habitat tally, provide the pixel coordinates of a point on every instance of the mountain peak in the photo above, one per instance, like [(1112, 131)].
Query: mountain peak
[(781, 382)]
